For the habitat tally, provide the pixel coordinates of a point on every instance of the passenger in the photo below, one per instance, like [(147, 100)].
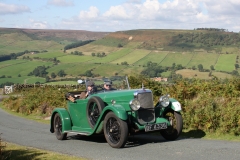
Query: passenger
[(90, 90), (108, 86)]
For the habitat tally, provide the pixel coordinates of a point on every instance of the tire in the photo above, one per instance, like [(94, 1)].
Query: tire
[(176, 121), (115, 130), (58, 128), (94, 108)]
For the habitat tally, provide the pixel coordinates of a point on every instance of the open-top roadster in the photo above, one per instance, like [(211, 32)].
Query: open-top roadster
[(118, 114)]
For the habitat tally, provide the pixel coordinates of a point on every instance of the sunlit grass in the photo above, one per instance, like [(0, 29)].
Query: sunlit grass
[(14, 151)]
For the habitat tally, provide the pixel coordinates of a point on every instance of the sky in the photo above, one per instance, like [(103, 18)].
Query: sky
[(120, 15)]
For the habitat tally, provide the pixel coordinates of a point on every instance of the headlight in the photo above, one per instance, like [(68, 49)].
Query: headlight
[(164, 100), (134, 104)]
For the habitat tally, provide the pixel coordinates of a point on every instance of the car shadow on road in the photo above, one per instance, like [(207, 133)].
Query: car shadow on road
[(133, 141), (94, 138), (198, 133)]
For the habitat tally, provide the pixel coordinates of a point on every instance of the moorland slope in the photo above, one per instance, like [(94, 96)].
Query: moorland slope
[(119, 53)]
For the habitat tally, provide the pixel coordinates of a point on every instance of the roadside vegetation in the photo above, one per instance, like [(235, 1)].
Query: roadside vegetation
[(12, 151), (208, 106)]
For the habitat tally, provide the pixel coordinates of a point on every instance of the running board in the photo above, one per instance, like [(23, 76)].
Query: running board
[(76, 132)]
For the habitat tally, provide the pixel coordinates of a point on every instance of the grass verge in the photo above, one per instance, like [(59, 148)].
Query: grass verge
[(34, 117), (13, 151), (210, 136)]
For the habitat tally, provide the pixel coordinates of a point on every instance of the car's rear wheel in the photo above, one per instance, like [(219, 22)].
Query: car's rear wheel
[(173, 131), (58, 127), (115, 130), (94, 108)]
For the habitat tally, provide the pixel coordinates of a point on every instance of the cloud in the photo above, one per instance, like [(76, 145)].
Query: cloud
[(12, 9), (93, 13), (117, 12), (170, 14), (61, 3), (38, 24)]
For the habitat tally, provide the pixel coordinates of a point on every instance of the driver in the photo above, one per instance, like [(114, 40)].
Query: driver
[(108, 86)]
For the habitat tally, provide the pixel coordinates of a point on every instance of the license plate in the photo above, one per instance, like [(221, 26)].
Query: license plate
[(157, 126)]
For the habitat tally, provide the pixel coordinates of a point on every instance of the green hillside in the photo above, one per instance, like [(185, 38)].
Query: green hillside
[(119, 53)]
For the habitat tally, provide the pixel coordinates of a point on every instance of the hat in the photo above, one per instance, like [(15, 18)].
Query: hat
[(108, 82), (90, 83)]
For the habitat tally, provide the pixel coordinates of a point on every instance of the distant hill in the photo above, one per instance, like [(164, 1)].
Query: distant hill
[(49, 34), (176, 40), (119, 53)]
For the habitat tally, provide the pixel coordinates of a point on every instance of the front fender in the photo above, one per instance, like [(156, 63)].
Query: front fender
[(175, 105), (65, 117), (118, 110)]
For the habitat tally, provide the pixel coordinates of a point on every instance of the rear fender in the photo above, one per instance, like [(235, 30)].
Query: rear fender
[(65, 117)]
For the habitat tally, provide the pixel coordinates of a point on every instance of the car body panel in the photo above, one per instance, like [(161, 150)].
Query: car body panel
[(75, 117), (65, 117)]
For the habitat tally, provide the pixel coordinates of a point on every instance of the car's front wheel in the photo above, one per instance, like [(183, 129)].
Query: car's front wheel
[(115, 130), (94, 108), (176, 124), (58, 127)]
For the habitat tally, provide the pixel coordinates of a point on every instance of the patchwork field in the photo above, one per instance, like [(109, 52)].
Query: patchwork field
[(177, 58), (22, 68), (136, 47), (226, 62), (132, 57), (187, 73), (206, 59)]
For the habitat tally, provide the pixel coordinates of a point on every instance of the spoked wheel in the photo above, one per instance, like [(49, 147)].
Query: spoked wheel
[(94, 108), (176, 123), (115, 130), (58, 128)]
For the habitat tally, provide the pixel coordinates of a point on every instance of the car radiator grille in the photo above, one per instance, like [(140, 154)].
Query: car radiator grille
[(146, 112)]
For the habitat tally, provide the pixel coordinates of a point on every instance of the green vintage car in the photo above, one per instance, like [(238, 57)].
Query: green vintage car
[(118, 114)]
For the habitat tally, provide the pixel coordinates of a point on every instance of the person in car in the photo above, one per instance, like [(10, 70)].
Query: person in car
[(108, 86), (90, 90)]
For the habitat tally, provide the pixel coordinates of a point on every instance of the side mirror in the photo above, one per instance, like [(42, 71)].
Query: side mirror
[(80, 81)]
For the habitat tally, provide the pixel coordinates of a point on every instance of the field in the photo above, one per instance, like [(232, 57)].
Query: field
[(177, 58), (206, 59), (188, 73), (138, 48), (132, 57), (226, 62)]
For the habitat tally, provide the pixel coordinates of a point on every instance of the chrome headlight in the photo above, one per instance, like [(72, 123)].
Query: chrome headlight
[(134, 104), (164, 100)]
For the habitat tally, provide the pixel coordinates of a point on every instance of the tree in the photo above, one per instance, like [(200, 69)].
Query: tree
[(236, 66), (200, 67), (120, 45), (88, 73), (93, 54), (212, 67), (53, 75), (47, 78), (234, 72), (193, 67), (61, 73)]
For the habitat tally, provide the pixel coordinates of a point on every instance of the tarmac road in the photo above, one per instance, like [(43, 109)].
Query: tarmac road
[(142, 147)]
